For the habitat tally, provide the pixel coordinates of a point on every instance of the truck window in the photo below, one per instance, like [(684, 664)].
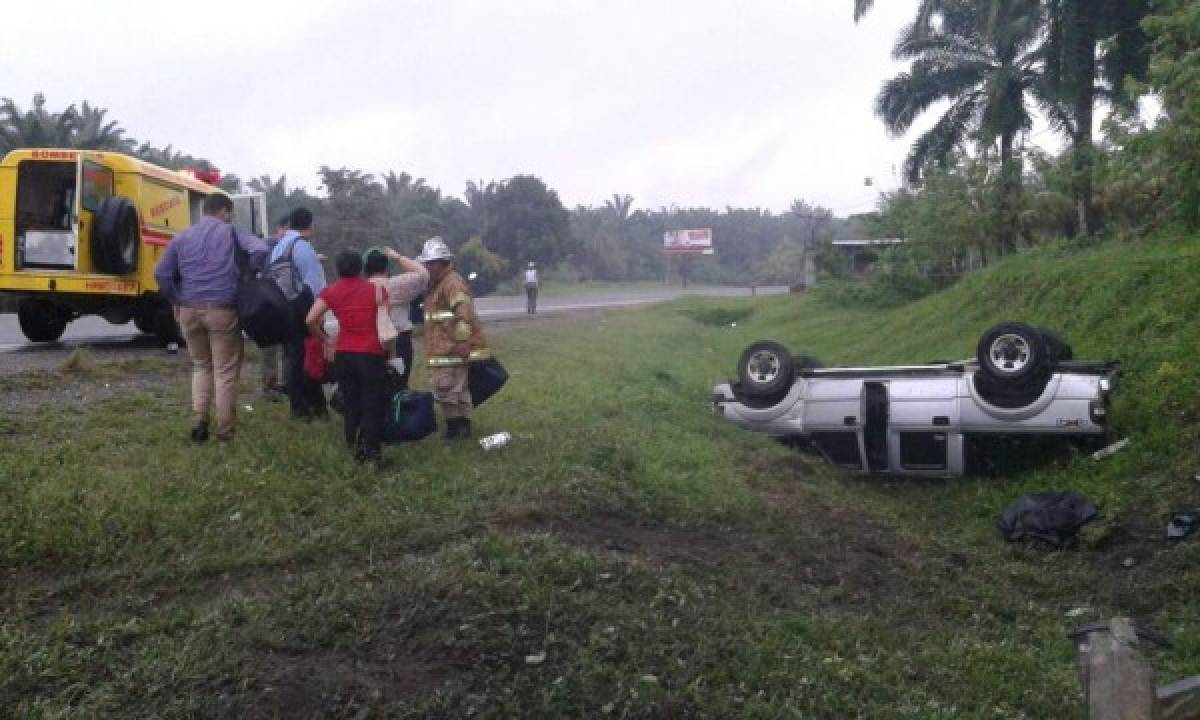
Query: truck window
[(97, 184)]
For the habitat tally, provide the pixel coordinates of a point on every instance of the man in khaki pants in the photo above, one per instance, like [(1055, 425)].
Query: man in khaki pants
[(198, 274)]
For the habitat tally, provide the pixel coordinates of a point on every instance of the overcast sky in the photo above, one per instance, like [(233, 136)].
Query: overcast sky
[(691, 102)]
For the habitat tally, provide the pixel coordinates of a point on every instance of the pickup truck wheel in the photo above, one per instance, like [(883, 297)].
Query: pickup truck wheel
[(145, 323), (116, 236), (1013, 355), (41, 321), (765, 369)]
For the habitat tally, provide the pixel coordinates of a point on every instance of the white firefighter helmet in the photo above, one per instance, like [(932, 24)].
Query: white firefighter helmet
[(435, 249)]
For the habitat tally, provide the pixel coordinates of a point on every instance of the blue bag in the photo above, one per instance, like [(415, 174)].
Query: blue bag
[(408, 416)]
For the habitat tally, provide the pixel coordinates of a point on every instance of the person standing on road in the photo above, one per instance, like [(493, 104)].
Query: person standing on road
[(453, 337), (270, 363), (531, 287), (305, 395), (198, 274), (402, 289), (360, 362)]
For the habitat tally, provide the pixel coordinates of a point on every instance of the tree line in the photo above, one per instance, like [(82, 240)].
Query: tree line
[(977, 187), (495, 226)]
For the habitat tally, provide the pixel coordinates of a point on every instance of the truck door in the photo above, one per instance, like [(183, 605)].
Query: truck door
[(250, 213), (875, 428), (95, 182)]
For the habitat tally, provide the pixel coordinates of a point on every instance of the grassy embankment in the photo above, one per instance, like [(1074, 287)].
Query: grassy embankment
[(628, 555)]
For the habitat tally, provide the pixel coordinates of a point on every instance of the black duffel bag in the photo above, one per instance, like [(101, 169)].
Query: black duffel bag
[(484, 379), (264, 312), (408, 416)]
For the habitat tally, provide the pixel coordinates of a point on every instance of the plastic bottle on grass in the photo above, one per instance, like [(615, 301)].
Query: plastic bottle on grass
[(494, 441)]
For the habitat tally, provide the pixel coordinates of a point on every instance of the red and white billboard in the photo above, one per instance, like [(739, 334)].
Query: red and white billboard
[(683, 242)]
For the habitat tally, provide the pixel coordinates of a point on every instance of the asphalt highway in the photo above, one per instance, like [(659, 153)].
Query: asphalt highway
[(96, 332)]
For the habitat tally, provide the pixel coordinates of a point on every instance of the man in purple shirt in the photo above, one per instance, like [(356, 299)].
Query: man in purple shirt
[(198, 275)]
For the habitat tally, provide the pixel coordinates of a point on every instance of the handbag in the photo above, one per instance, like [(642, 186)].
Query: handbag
[(408, 416), (316, 365), (484, 379), (383, 319)]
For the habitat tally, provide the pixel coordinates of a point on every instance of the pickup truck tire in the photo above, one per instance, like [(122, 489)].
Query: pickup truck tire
[(116, 236), (145, 323), (1013, 355), (41, 321), (765, 369)]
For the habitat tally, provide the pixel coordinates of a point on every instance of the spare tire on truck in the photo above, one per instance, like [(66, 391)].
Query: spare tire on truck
[(1014, 364), (116, 236), (41, 320)]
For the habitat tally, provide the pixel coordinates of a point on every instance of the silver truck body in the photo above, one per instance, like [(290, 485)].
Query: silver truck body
[(918, 420)]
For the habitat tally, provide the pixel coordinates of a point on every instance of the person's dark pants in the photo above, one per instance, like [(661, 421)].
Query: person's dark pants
[(305, 395), (404, 351), (362, 378), (531, 299)]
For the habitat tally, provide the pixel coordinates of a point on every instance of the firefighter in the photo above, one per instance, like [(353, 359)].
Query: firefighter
[(453, 336)]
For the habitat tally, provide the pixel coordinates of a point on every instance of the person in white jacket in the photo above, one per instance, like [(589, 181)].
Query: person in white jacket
[(402, 288), (531, 287)]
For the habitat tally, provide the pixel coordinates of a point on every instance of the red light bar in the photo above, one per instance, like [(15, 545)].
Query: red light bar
[(212, 177)]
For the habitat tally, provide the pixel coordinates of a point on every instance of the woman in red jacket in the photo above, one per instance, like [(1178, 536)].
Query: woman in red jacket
[(360, 363)]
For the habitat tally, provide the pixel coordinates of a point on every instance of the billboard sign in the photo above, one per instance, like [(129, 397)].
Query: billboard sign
[(688, 242)]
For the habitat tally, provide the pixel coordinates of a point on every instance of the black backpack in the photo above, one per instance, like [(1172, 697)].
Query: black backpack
[(265, 314)]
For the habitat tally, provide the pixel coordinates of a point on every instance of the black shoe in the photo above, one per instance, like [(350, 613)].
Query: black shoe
[(200, 431), (458, 428)]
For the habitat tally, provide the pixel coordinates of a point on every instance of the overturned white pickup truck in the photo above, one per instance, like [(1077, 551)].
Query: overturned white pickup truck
[(939, 419)]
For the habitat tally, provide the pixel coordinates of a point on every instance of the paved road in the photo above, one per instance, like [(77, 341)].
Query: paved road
[(97, 333)]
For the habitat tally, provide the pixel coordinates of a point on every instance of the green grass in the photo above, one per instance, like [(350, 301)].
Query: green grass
[(627, 555)]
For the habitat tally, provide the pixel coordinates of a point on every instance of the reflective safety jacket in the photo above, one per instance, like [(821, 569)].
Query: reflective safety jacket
[(450, 319)]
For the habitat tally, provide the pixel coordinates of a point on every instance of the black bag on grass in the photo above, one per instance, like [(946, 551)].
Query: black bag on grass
[(408, 416), (1054, 517), (484, 379)]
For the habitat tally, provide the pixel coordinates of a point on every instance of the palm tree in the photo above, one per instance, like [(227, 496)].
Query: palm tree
[(985, 64), (413, 210), (35, 127), (1092, 46), (925, 11), (93, 133), (618, 208)]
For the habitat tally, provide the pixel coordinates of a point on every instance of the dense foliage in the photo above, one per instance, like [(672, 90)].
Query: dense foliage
[(978, 185)]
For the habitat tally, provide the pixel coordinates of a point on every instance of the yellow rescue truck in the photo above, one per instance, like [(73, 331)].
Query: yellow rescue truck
[(81, 232)]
